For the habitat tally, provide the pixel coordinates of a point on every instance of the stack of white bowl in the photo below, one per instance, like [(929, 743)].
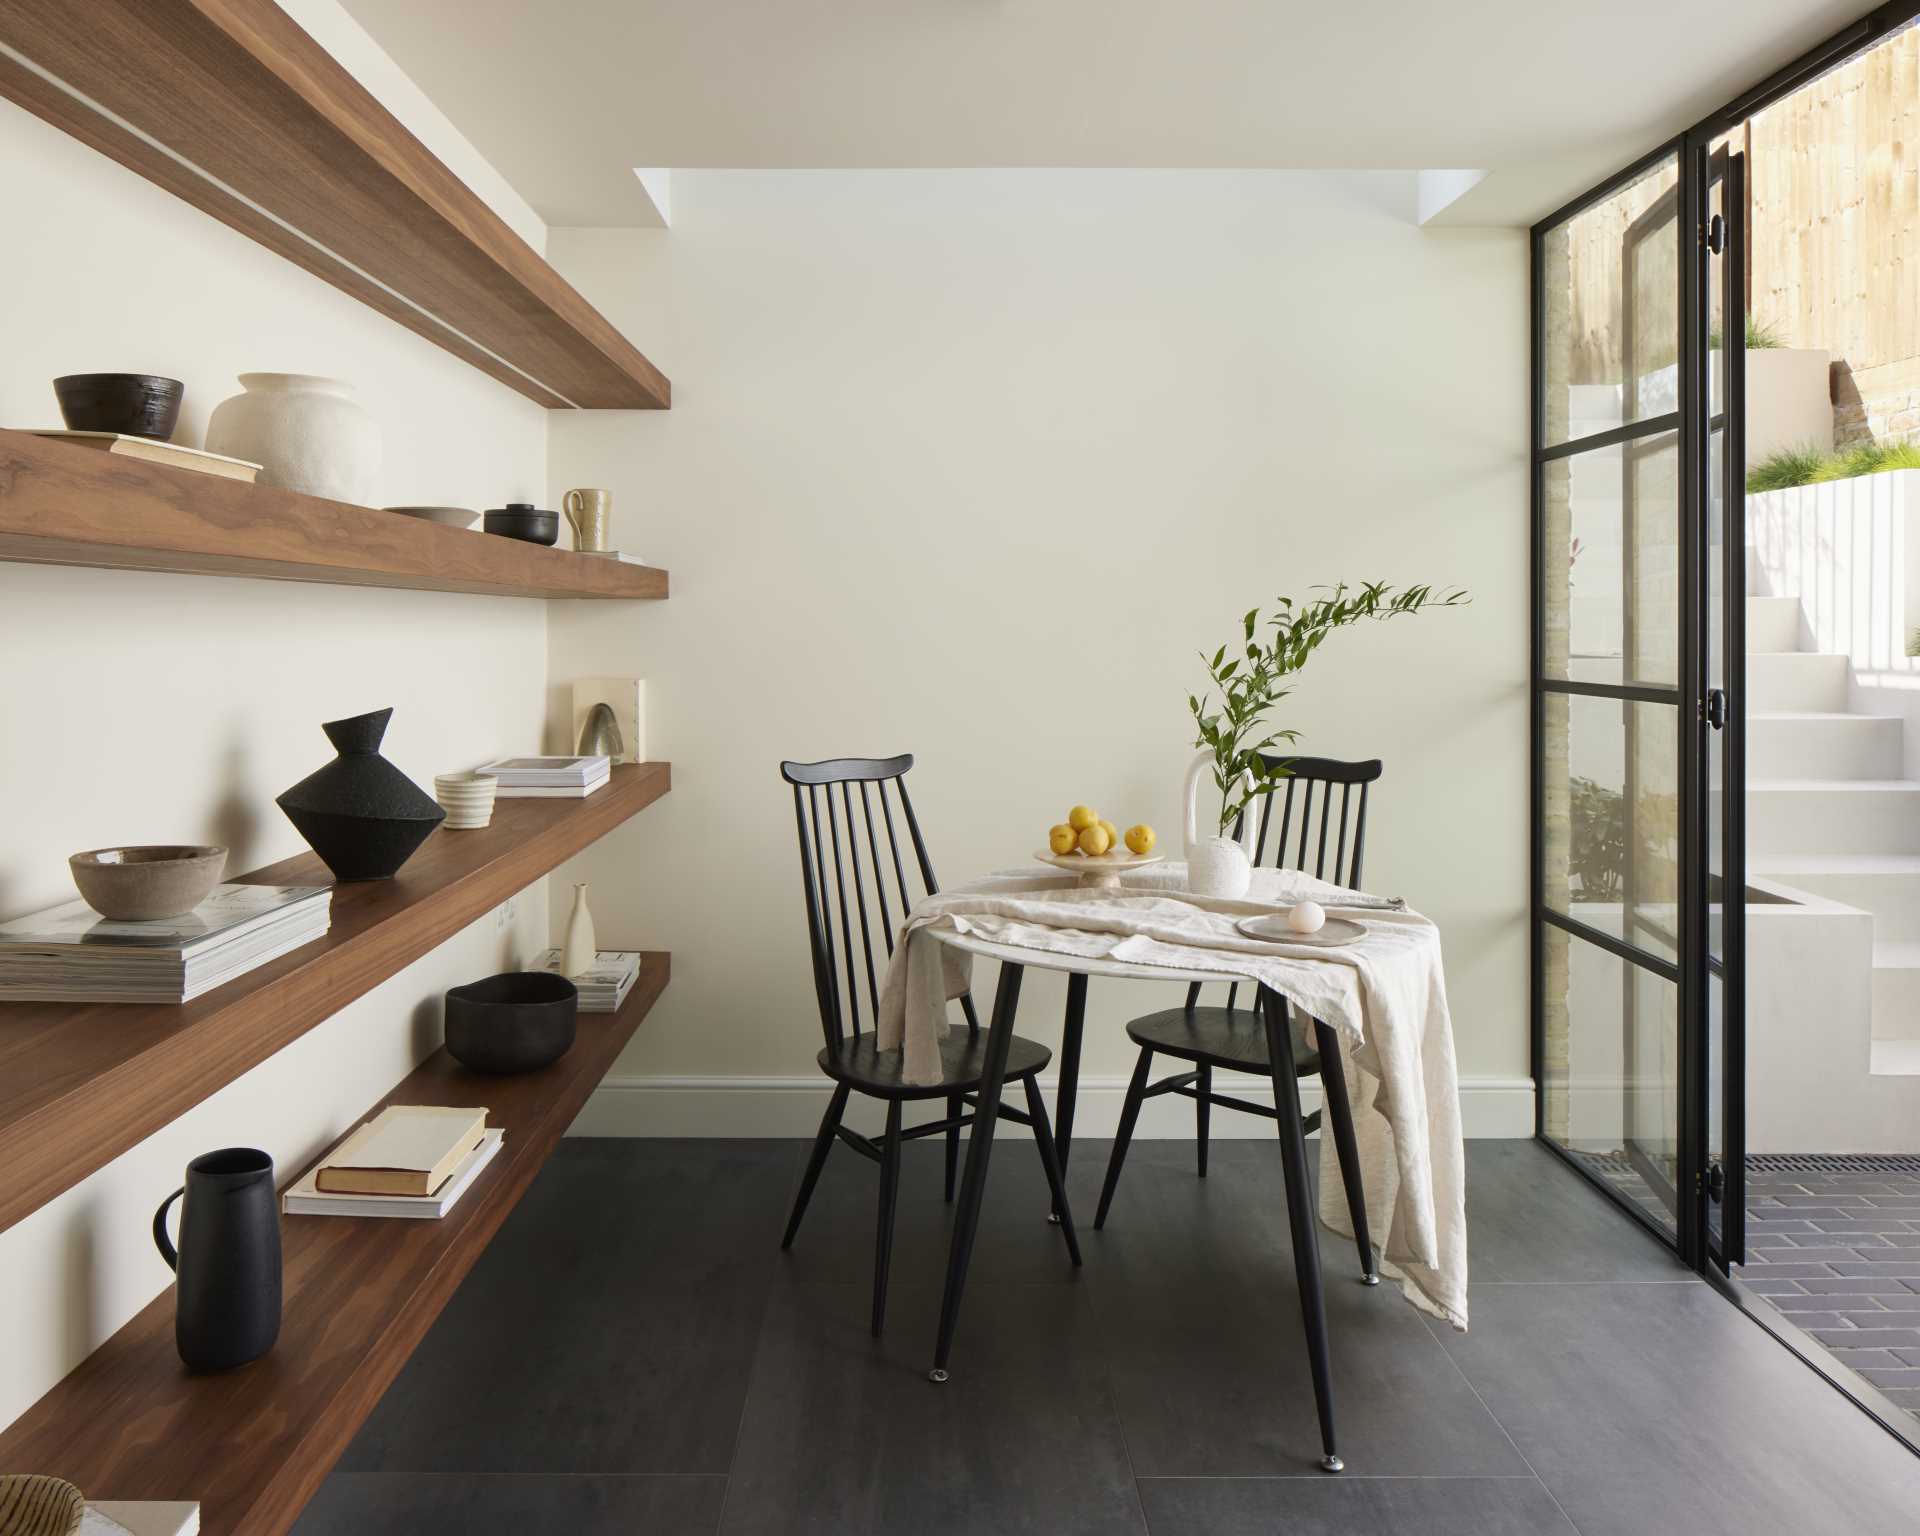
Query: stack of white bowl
[(467, 798)]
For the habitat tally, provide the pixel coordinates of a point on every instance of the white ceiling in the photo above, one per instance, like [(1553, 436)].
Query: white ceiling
[(566, 96)]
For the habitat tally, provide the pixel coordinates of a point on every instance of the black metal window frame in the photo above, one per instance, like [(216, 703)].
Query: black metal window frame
[(1690, 973)]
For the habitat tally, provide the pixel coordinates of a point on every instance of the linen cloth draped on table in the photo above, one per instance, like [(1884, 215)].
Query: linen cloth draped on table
[(1384, 995)]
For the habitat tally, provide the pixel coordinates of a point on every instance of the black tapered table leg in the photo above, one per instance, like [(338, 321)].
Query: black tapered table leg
[(1300, 1215), (1339, 1115), (973, 1183), (1069, 1088)]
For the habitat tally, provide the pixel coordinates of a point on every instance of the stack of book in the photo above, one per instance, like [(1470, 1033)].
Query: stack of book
[(552, 778), (408, 1161), (71, 954), (604, 985)]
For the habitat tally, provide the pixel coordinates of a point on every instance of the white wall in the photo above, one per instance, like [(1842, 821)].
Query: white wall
[(971, 463), (155, 708)]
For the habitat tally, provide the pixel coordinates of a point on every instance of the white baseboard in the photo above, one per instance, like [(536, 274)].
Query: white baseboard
[(1492, 1107)]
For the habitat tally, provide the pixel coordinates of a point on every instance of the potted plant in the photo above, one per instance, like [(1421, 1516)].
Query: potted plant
[(1233, 734)]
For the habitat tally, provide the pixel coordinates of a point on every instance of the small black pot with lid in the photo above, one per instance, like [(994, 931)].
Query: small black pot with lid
[(523, 520)]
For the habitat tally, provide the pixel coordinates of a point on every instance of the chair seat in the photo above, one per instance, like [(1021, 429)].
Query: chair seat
[(860, 1064), (1231, 1038)]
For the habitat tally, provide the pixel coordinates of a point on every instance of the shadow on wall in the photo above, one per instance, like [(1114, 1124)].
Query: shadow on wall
[(236, 815)]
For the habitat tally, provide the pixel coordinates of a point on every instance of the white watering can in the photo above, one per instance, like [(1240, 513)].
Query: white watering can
[(1216, 866)]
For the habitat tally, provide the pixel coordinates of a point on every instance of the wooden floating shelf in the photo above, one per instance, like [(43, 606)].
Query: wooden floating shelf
[(61, 504), (280, 142), (80, 1083), (253, 1445)]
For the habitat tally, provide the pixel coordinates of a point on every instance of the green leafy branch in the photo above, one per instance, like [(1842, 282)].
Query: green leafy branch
[(1250, 681)]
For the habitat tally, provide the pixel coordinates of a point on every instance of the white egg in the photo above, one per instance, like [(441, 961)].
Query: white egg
[(1307, 917)]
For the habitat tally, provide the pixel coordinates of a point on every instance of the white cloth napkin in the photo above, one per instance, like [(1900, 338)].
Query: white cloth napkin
[(1384, 994)]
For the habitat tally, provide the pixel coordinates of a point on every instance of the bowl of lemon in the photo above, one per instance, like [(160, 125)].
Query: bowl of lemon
[(1096, 850)]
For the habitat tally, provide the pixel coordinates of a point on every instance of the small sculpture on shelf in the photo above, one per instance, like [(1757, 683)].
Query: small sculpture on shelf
[(363, 816)]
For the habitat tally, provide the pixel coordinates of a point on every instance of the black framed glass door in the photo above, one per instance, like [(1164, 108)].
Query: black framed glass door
[(1637, 587)]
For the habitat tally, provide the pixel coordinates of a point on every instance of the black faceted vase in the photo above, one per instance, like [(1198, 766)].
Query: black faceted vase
[(362, 815)]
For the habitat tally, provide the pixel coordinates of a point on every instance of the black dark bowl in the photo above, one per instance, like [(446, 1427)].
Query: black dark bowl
[(522, 520), (138, 404), (518, 1021)]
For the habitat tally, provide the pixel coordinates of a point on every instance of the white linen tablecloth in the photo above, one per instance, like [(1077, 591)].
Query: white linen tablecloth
[(1384, 994)]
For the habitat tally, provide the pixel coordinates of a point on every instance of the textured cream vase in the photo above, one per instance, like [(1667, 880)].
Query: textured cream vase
[(306, 433), (577, 954)]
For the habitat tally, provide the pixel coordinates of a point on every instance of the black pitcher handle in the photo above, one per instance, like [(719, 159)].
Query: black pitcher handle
[(160, 1239)]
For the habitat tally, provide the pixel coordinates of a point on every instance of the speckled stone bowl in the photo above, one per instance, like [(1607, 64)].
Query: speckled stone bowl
[(139, 885)]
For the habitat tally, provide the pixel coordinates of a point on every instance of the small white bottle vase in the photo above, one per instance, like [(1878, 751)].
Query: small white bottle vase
[(577, 953)]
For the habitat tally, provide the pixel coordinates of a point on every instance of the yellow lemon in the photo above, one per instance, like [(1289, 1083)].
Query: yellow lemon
[(1094, 840), (1063, 839), (1081, 817), (1140, 838), (1113, 832)]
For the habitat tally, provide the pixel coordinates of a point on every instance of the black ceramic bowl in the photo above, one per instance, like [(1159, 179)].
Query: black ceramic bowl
[(138, 404), (518, 1021), (523, 520)]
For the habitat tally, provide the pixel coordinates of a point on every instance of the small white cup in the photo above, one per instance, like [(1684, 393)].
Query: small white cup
[(467, 798)]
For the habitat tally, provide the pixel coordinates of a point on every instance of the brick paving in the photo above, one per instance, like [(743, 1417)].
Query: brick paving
[(1840, 1254)]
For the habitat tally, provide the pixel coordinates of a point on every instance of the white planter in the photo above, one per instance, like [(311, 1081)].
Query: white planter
[(308, 434)]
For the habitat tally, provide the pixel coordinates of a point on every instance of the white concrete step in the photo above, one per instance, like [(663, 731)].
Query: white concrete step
[(1831, 816), (1801, 681), (1896, 991), (1885, 884), (1822, 744), (1773, 624)]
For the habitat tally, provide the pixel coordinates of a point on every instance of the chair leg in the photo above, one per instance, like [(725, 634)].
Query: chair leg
[(822, 1144), (956, 1106), (1129, 1112), (1333, 1078), (1202, 1113), (889, 1197), (1050, 1160), (1300, 1217)]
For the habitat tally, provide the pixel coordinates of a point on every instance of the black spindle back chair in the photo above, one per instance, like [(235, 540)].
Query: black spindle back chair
[(844, 812), (1234, 1038)]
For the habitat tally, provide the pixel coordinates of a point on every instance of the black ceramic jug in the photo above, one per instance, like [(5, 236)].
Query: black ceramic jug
[(227, 1303)]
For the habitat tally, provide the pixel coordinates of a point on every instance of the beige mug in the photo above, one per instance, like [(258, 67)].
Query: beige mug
[(590, 513)]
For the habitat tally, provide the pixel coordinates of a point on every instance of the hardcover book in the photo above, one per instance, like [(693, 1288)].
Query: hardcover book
[(404, 1150)]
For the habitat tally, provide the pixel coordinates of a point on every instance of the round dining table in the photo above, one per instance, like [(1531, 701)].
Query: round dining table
[(1014, 961)]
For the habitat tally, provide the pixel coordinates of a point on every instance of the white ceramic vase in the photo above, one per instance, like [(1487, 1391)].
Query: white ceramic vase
[(1216, 866), (577, 954), (306, 433)]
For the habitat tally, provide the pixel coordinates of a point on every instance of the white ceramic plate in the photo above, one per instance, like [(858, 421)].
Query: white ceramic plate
[(1272, 926), (453, 517), (1098, 871)]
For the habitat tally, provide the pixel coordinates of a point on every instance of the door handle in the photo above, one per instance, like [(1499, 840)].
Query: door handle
[(1717, 708)]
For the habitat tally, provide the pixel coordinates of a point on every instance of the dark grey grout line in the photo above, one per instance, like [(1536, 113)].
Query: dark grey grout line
[(1344, 1477)]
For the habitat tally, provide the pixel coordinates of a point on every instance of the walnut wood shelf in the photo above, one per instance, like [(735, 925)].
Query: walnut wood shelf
[(281, 143), (65, 505), (80, 1083), (253, 1445)]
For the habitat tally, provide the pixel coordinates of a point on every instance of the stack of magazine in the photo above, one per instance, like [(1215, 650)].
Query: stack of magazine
[(604, 985), (71, 954), (550, 778)]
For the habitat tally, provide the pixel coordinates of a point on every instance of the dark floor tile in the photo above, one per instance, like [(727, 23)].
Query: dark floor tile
[(1212, 1379), (609, 1328), (405, 1504), (1531, 1217), (1659, 1408), (845, 1434), (1341, 1506)]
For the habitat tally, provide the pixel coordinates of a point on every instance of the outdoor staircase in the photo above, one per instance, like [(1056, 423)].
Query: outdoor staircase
[(1831, 812)]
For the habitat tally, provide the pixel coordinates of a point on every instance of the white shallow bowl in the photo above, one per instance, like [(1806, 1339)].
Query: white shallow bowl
[(1098, 871), (453, 517)]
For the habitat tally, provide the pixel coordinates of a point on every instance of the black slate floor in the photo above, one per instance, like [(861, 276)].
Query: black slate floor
[(634, 1355)]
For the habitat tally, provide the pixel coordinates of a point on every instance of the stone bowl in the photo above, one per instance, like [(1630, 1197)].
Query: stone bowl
[(136, 404), (518, 1021), (146, 884), (37, 1505)]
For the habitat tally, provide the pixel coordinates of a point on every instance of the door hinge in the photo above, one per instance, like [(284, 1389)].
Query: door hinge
[(1716, 1183), (1716, 235), (1717, 708)]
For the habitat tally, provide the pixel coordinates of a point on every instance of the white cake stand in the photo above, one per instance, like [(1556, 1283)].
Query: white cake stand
[(1098, 871)]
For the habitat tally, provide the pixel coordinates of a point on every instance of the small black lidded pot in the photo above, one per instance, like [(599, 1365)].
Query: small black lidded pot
[(524, 521), (227, 1300)]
